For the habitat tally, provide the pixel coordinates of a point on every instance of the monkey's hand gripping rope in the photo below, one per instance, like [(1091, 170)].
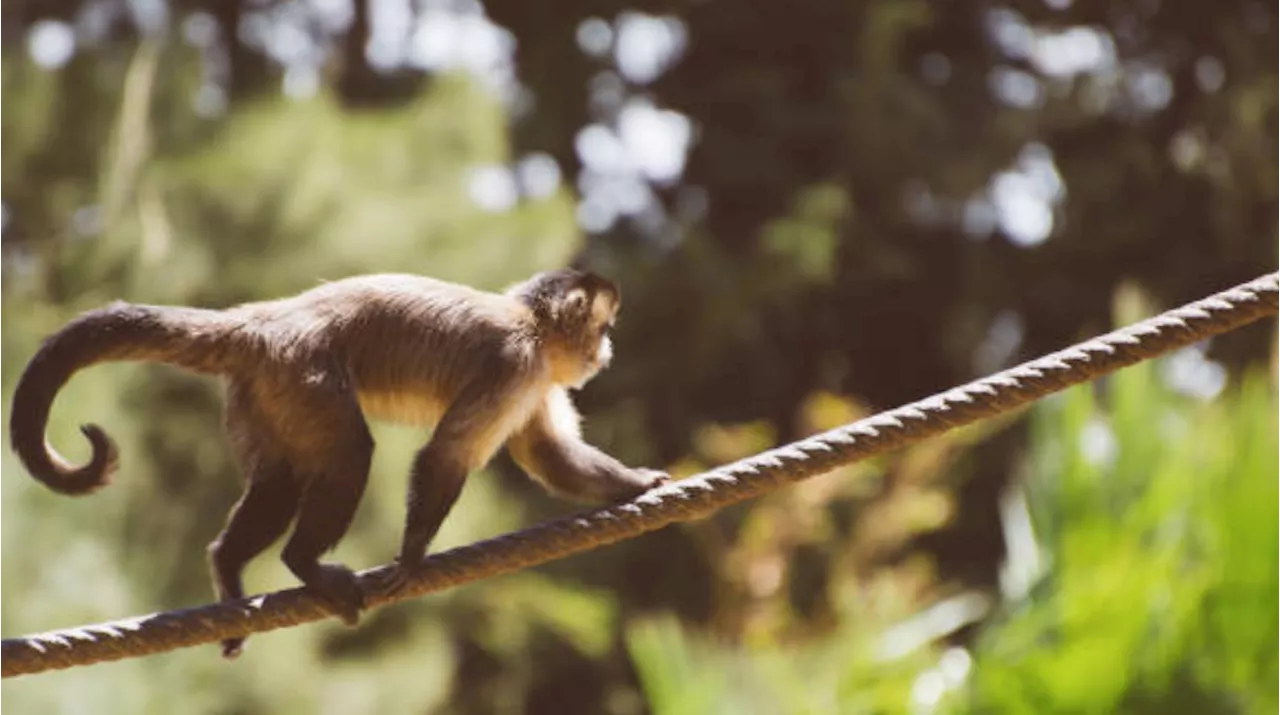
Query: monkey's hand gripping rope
[(685, 500)]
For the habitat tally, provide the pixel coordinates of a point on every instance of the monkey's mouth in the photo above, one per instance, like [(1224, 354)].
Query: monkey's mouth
[(601, 360), (585, 377)]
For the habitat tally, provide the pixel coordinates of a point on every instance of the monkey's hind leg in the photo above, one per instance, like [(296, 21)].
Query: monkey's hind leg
[(327, 508), (264, 511), (339, 452), (260, 517)]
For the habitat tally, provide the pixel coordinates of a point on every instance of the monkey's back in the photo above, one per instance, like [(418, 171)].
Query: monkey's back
[(408, 342)]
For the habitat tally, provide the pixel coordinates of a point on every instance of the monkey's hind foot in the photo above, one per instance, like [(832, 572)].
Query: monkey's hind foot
[(340, 589), (232, 648), (399, 577)]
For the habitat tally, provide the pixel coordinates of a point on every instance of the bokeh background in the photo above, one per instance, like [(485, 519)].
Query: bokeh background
[(816, 209)]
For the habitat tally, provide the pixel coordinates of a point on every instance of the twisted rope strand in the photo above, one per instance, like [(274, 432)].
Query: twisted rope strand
[(686, 500)]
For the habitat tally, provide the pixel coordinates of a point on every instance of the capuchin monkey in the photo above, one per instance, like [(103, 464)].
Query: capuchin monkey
[(302, 375)]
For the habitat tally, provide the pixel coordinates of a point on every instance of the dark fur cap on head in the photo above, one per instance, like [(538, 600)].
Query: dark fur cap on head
[(544, 292)]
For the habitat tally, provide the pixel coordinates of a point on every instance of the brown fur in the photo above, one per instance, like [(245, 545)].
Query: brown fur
[(304, 372)]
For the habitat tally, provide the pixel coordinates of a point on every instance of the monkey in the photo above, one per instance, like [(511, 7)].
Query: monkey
[(303, 373)]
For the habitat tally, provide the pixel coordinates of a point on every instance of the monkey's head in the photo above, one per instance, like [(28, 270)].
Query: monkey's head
[(574, 311)]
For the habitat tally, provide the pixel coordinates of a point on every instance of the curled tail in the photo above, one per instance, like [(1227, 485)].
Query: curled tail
[(186, 337)]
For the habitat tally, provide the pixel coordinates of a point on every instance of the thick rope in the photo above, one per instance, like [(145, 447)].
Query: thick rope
[(688, 499)]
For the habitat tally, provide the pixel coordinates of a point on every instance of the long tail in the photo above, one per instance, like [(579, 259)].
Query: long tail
[(191, 338)]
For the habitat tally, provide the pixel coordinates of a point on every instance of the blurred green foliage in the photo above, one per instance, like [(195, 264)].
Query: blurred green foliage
[(1158, 521), (1149, 583), (838, 237)]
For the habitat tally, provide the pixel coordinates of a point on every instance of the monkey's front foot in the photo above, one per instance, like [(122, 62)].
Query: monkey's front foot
[(645, 479), (653, 478), (340, 589)]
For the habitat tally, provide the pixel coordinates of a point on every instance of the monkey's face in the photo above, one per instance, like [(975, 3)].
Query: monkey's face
[(587, 315), (574, 311)]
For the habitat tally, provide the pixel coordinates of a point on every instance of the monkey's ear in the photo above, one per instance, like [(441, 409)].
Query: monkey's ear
[(576, 301)]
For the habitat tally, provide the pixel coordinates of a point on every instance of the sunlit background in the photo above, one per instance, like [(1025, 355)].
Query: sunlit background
[(815, 209)]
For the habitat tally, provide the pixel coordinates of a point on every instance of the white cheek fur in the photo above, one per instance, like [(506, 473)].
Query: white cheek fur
[(605, 352)]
